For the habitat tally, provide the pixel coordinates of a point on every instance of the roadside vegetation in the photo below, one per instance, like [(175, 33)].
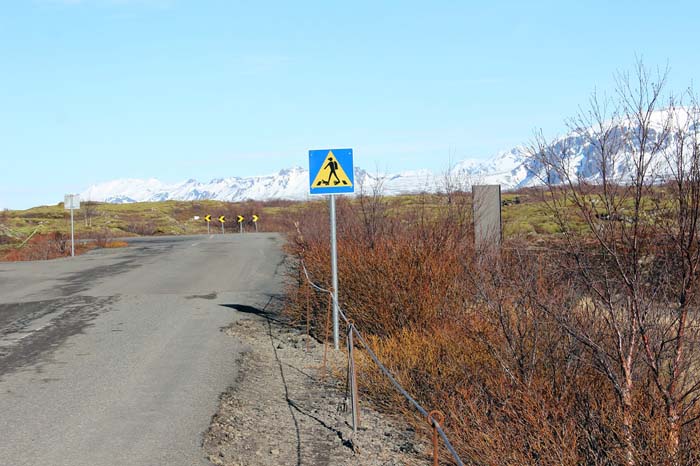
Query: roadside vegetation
[(575, 342), (44, 232), (97, 223)]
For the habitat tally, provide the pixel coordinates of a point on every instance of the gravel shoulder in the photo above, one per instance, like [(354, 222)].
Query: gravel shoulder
[(282, 410)]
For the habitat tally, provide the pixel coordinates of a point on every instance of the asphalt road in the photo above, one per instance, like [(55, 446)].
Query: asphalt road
[(117, 357)]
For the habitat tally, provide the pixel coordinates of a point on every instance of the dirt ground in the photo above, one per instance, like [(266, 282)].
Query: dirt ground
[(282, 412)]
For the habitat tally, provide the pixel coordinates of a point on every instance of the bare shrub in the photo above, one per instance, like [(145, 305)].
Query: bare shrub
[(102, 238), (581, 349), (44, 246), (631, 249), (58, 242), (144, 228), (372, 206), (89, 210)]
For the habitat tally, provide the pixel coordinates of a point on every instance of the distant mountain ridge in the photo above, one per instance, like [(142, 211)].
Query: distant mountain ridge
[(506, 169), (512, 169), (291, 183)]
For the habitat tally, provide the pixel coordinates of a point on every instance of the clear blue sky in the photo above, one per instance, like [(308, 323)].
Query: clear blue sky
[(93, 90)]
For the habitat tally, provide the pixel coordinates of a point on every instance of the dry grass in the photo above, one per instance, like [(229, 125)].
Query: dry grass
[(466, 336), (44, 247), (145, 218), (56, 245), (116, 244)]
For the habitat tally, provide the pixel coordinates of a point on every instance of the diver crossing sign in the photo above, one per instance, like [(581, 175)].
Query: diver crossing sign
[(331, 171)]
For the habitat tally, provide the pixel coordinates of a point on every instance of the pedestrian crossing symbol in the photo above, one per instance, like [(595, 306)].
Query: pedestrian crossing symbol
[(331, 171)]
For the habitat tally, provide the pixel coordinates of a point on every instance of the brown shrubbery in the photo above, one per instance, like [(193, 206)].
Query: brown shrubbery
[(478, 340), (42, 247), (54, 245), (584, 349)]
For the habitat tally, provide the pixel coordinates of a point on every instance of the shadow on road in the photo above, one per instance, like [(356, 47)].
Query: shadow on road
[(270, 310)]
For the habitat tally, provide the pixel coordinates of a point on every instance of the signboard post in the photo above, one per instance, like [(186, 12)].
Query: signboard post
[(222, 220), (331, 172), (240, 219), (255, 222), (71, 202), (207, 218)]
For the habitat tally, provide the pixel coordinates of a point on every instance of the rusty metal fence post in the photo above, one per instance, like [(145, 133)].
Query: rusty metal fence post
[(435, 423), (308, 315), (435, 418), (352, 382)]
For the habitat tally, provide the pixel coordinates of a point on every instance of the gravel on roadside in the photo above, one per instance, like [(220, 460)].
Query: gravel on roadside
[(282, 411)]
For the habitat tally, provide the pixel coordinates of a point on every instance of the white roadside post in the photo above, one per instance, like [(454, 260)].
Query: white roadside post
[(331, 172), (71, 202)]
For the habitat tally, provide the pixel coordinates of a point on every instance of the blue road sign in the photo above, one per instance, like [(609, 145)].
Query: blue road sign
[(331, 171)]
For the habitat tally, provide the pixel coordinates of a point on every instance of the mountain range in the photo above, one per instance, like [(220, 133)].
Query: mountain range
[(512, 169), (507, 169)]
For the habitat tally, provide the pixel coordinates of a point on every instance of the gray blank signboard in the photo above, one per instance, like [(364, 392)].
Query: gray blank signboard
[(71, 201), (487, 215)]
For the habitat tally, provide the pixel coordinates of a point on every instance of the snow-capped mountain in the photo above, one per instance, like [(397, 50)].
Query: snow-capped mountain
[(292, 183), (506, 169), (512, 169), (578, 153)]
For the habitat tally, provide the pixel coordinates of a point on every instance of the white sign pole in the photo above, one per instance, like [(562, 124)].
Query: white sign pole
[(72, 231), (70, 202), (334, 270)]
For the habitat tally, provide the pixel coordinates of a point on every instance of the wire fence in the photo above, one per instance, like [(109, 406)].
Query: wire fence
[(352, 329)]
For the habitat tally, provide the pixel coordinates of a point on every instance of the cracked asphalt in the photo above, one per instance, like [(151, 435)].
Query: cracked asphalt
[(117, 357)]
